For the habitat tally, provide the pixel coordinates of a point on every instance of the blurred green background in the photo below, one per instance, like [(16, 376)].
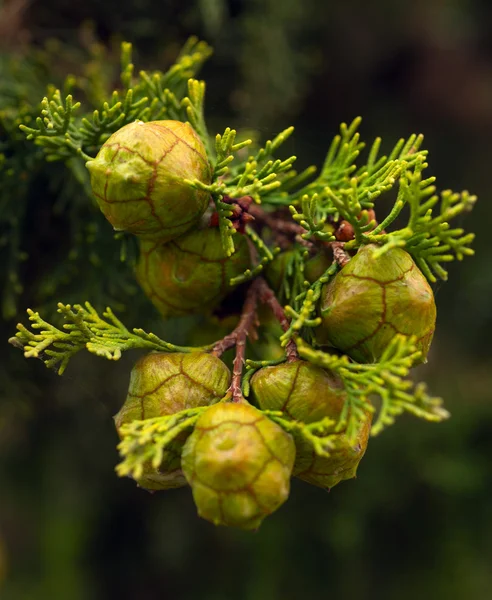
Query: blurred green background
[(417, 522)]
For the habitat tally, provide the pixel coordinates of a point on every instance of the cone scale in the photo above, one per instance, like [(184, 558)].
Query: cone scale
[(190, 274), (238, 464), (307, 393), (163, 384), (373, 299), (138, 179)]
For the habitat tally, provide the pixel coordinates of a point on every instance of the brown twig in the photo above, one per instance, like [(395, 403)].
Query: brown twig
[(275, 223), (240, 209), (259, 290), (281, 227), (339, 253), (267, 296), (238, 338)]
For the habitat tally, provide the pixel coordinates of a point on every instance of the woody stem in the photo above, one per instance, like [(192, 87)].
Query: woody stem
[(282, 227), (267, 296), (275, 223), (339, 253), (238, 338)]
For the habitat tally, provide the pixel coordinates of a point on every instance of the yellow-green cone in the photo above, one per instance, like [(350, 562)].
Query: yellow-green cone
[(190, 274), (138, 179), (238, 464), (371, 300), (342, 463), (163, 384), (307, 393), (302, 391)]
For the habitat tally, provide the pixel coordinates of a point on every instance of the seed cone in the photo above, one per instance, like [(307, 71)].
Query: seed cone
[(138, 179), (238, 464), (371, 300), (307, 393), (342, 463), (190, 274), (301, 390), (164, 384)]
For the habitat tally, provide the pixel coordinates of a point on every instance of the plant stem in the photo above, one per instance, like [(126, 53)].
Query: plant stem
[(238, 338), (283, 228), (339, 253), (267, 296)]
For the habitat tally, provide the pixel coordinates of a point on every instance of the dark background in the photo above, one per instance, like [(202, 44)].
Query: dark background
[(417, 522)]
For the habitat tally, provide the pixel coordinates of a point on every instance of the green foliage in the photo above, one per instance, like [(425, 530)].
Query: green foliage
[(429, 238), (83, 329), (266, 255), (386, 379), (343, 190), (320, 435), (37, 198), (153, 96), (257, 176), (305, 306), (145, 441), (311, 219), (300, 211)]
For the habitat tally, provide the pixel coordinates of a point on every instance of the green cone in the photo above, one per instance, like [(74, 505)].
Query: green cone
[(307, 393), (371, 300), (190, 274), (302, 391), (342, 463), (163, 384), (238, 464), (138, 179)]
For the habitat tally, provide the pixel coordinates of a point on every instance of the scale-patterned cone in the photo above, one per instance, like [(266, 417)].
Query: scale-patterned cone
[(342, 463), (307, 393), (166, 383), (371, 300), (138, 179), (190, 274), (238, 464), (301, 390)]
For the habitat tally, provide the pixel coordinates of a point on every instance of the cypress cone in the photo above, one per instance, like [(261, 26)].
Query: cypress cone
[(138, 179), (307, 393), (341, 464), (370, 300), (192, 273), (301, 390), (238, 464), (163, 384)]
